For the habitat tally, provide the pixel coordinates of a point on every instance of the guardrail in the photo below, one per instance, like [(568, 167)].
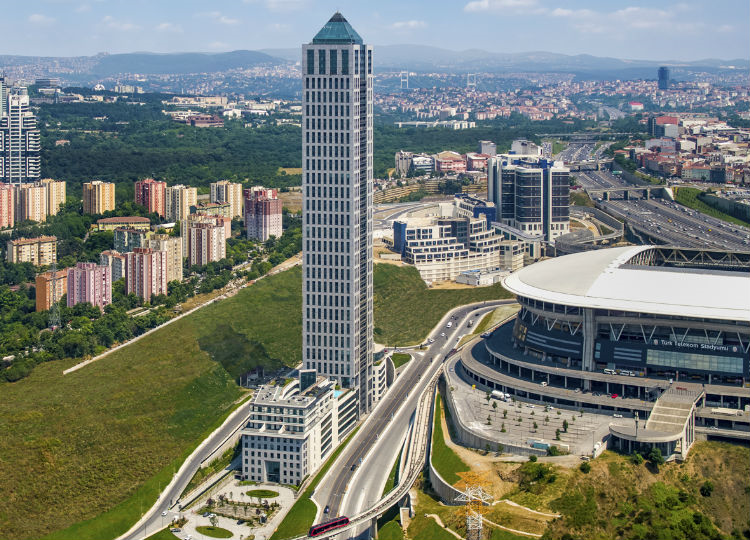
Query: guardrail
[(419, 442)]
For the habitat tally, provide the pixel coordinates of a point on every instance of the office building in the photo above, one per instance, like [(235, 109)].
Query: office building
[(116, 262), (530, 193), (40, 251), (293, 429), (487, 147), (178, 200), (337, 195), (127, 222), (127, 239), (19, 139), (205, 239), (98, 197), (50, 288), (663, 74), (172, 245), (262, 214), (525, 148), (225, 191), (146, 272), (90, 282), (7, 206), (152, 194)]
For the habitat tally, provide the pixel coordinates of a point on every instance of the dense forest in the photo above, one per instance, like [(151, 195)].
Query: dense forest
[(124, 141)]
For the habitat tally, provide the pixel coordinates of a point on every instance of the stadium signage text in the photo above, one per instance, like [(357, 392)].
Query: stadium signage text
[(695, 346)]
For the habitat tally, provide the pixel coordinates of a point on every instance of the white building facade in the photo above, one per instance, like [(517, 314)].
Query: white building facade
[(337, 194)]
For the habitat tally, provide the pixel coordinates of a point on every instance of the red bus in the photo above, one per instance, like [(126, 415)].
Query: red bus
[(322, 528)]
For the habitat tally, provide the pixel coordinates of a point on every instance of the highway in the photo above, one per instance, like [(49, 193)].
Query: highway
[(348, 492), (666, 220)]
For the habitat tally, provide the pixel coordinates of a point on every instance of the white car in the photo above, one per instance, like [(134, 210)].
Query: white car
[(164, 513), (442, 334)]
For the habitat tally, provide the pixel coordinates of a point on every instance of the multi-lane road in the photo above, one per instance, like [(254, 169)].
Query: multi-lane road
[(666, 220), (347, 490)]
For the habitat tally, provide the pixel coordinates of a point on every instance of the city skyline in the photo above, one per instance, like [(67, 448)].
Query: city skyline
[(638, 30)]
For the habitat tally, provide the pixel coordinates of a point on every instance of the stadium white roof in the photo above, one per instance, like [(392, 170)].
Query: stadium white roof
[(597, 279)]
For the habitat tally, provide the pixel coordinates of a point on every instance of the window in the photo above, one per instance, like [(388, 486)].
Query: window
[(369, 62), (333, 61), (310, 62), (321, 62), (345, 62)]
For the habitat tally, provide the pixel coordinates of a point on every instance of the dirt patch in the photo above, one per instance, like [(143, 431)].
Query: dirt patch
[(291, 200)]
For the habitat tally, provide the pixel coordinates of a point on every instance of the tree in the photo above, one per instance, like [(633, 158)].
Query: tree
[(585, 467), (502, 428), (505, 413), (655, 457), (488, 396), (535, 426), (707, 488), (557, 434), (494, 406), (565, 426), (489, 420)]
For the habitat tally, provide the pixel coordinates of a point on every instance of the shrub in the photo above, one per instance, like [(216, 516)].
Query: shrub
[(532, 458), (707, 488), (636, 459), (585, 467)]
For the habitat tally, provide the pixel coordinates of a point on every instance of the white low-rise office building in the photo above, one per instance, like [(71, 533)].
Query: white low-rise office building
[(293, 429)]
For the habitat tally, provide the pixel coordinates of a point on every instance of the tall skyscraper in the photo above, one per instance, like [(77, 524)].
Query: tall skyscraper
[(19, 138), (663, 78), (337, 191)]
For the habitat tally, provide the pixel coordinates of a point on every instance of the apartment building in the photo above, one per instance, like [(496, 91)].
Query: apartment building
[(40, 251), (7, 206), (90, 282), (126, 222), (116, 262), (152, 194), (146, 272), (50, 288), (293, 429), (127, 239), (98, 197), (206, 240), (55, 191), (172, 245), (225, 191), (179, 199), (31, 202), (263, 217)]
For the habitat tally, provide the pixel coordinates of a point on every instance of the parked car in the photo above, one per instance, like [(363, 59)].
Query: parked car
[(614, 396)]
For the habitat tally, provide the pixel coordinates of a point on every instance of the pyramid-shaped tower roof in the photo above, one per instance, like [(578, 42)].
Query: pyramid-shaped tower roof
[(337, 31)]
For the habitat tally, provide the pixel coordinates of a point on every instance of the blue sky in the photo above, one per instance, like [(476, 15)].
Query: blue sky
[(685, 30)]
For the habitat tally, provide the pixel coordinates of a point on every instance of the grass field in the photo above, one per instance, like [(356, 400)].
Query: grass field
[(214, 532), (262, 493), (406, 310), (688, 196), (445, 460), (399, 359), (163, 534), (85, 454), (391, 531), (302, 513), (580, 198)]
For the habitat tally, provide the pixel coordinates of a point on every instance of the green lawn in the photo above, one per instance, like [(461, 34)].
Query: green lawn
[(399, 359), (262, 493), (390, 483), (426, 528), (391, 531), (406, 310), (163, 534), (84, 455), (214, 532), (446, 461), (688, 196), (301, 515)]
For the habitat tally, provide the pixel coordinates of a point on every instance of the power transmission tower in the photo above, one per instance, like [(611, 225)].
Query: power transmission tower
[(54, 310), (476, 501), (471, 81), (404, 75)]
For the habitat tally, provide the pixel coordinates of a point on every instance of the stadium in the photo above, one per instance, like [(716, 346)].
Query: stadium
[(648, 331)]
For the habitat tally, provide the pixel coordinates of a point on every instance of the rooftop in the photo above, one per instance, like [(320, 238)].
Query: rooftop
[(606, 279), (337, 31), (124, 219)]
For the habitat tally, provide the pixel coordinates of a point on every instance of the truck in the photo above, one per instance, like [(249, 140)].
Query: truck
[(497, 394)]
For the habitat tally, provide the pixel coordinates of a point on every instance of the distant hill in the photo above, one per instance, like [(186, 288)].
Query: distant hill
[(177, 63)]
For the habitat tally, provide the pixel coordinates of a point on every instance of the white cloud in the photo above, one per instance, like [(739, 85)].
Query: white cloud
[(285, 5), (83, 8), (498, 5), (408, 25), (114, 24), (168, 27), (219, 17), (280, 27), (41, 20)]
